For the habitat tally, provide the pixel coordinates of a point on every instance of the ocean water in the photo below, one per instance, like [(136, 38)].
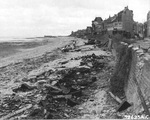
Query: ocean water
[(12, 45), (16, 39)]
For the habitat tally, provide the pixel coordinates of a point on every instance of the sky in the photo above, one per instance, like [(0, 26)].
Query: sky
[(60, 17)]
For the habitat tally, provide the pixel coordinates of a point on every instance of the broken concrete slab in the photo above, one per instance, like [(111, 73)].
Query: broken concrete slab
[(24, 88), (123, 106)]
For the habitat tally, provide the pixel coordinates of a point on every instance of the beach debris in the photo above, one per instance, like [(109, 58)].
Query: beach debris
[(123, 106), (16, 112), (35, 112), (115, 97), (24, 87), (48, 115), (71, 103), (57, 92), (67, 48)]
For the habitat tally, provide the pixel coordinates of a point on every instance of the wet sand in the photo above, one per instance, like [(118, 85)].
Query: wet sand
[(15, 53)]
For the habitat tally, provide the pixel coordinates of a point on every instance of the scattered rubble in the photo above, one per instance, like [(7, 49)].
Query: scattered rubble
[(74, 88), (24, 88)]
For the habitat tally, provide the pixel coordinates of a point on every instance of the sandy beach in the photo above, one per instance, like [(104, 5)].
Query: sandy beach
[(74, 80), (16, 55)]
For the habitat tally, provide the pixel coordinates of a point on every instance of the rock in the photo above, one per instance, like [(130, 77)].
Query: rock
[(80, 108), (54, 83), (48, 86), (82, 63), (42, 103), (16, 112), (64, 62), (55, 92), (71, 103), (77, 50), (24, 88), (62, 96), (35, 112), (148, 50), (94, 112), (84, 82), (41, 82), (64, 89), (77, 93), (103, 115), (66, 115), (94, 79), (53, 77), (48, 116), (91, 100), (72, 90)]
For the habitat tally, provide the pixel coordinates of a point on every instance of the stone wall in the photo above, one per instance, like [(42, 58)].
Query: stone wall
[(137, 87), (139, 80), (148, 24)]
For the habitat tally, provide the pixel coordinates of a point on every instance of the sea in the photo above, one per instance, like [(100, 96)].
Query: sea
[(19, 39)]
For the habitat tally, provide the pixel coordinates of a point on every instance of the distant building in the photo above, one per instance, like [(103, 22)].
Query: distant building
[(79, 33), (89, 30), (148, 24), (97, 25), (121, 23), (138, 29), (145, 29)]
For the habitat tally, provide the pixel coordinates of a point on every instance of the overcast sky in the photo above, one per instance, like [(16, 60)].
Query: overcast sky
[(60, 17)]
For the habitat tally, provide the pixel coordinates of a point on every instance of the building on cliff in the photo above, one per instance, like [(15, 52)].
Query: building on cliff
[(148, 24)]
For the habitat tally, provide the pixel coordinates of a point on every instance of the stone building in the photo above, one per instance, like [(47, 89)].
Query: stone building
[(79, 33), (123, 21), (97, 25), (138, 29), (148, 24), (145, 29), (89, 30), (127, 20)]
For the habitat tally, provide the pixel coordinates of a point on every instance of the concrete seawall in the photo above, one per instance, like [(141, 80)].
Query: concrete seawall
[(137, 83)]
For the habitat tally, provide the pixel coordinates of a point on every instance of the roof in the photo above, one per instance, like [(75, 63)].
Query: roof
[(98, 19)]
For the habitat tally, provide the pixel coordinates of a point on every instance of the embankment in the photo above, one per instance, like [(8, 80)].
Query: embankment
[(131, 77)]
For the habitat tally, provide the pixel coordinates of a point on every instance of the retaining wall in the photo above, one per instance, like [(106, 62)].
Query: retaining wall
[(137, 86)]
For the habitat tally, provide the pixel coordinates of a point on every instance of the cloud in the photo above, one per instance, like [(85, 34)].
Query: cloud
[(55, 17)]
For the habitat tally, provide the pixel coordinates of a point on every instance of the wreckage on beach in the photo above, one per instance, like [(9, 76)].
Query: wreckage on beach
[(101, 72), (60, 88)]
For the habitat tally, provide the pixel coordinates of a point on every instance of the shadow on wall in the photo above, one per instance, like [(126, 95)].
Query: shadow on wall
[(123, 64)]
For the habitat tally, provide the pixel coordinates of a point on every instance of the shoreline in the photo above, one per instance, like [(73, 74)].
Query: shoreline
[(9, 48), (78, 77), (35, 51)]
